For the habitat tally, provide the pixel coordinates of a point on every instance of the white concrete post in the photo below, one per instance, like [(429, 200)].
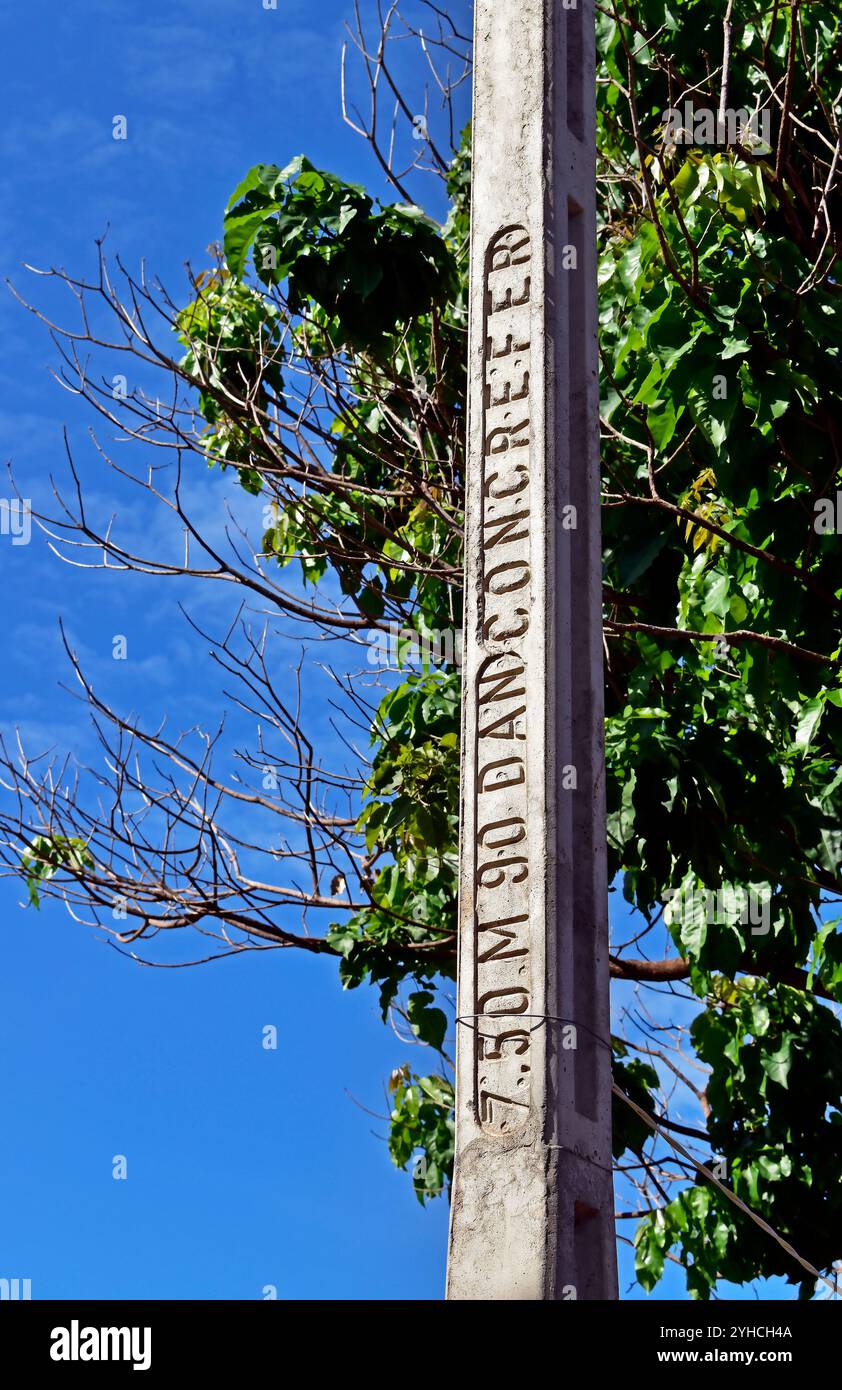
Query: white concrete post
[(532, 1213)]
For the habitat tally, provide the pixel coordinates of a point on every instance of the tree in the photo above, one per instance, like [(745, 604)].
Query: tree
[(322, 356)]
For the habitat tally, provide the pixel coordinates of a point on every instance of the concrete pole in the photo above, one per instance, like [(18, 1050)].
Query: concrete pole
[(532, 1213)]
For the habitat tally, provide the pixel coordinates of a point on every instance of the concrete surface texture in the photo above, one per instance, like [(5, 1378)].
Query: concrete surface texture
[(532, 1211)]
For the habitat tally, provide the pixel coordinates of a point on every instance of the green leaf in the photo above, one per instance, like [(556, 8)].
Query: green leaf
[(428, 1024), (808, 723), (777, 1065)]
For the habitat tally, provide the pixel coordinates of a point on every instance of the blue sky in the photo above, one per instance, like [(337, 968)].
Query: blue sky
[(246, 1168)]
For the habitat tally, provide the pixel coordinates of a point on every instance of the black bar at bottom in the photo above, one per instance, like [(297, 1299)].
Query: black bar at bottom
[(149, 1338)]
